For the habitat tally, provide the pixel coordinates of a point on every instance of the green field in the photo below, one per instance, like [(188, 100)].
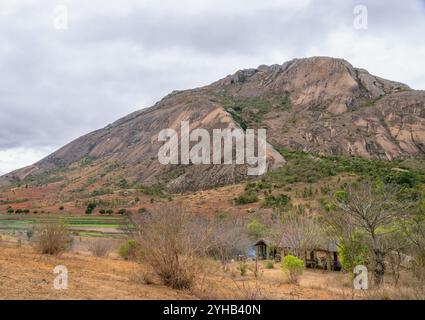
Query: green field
[(97, 226)]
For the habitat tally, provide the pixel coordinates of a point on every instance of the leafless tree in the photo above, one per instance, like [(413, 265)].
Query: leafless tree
[(414, 231), (228, 238), (171, 241), (299, 233), (374, 211)]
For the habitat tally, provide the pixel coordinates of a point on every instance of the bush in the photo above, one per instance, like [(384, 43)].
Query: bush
[(90, 208), (30, 233), (153, 190), (247, 197), (123, 184), (269, 265), (243, 269), (102, 211), (172, 240), (109, 211), (99, 248), (278, 201), (293, 266), (353, 251), (61, 208), (52, 238), (129, 250), (122, 211)]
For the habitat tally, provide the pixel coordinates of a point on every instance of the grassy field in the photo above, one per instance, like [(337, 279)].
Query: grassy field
[(97, 226)]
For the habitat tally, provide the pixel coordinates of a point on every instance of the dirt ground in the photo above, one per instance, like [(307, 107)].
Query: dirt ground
[(25, 274)]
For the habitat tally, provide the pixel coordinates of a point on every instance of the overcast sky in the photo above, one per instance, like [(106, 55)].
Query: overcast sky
[(116, 57)]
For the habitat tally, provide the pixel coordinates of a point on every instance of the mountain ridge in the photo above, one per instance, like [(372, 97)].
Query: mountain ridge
[(320, 105)]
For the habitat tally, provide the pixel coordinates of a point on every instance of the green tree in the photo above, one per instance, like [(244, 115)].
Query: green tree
[(256, 229)]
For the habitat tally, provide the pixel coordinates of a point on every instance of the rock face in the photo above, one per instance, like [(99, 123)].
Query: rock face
[(320, 104)]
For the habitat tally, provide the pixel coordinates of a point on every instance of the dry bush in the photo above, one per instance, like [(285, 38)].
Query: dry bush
[(52, 238), (99, 247), (172, 242), (389, 292), (142, 277), (249, 290)]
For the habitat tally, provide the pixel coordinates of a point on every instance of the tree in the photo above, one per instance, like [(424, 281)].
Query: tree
[(374, 210), (414, 231), (256, 229), (299, 233), (90, 208), (228, 238)]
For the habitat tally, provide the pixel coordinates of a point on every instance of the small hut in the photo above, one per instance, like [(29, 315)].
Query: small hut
[(265, 250), (323, 256)]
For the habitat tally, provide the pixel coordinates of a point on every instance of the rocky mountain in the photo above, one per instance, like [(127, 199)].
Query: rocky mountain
[(320, 105)]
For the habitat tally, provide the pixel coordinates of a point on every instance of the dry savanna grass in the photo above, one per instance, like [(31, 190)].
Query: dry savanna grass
[(92, 277)]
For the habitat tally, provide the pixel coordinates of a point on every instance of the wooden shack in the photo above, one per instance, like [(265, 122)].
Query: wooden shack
[(323, 256)]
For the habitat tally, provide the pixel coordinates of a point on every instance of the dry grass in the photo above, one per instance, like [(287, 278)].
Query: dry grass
[(25, 274)]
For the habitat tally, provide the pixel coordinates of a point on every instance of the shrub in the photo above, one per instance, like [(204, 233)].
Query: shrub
[(269, 265), (247, 197), (293, 266), (123, 183), (353, 251), (109, 211), (99, 248), (172, 240), (61, 208), (10, 211), (243, 269), (280, 200), (52, 238), (102, 211), (129, 250), (30, 233), (90, 208), (122, 211), (153, 190)]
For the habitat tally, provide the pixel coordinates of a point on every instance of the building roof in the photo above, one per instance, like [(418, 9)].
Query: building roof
[(331, 246)]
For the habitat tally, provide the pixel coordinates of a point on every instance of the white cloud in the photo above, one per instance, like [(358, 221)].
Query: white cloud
[(15, 158)]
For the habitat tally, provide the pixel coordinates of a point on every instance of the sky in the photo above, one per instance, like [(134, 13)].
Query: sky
[(72, 66)]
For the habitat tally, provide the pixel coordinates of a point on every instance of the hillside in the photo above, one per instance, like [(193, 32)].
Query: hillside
[(318, 105)]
